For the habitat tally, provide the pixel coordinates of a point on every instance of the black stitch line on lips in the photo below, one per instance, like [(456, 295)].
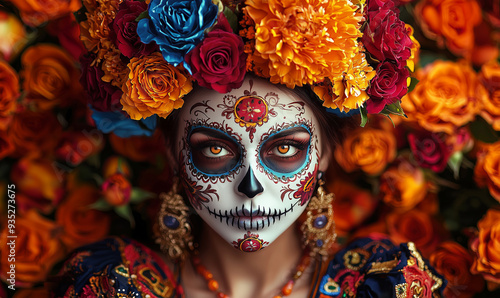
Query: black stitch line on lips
[(218, 214)]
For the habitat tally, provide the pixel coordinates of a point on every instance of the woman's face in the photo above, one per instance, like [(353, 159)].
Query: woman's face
[(249, 160)]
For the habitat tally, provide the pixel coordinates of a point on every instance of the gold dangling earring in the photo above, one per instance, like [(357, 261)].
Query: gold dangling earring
[(318, 230), (175, 236)]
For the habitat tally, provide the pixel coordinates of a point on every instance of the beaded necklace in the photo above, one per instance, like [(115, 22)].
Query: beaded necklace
[(213, 285)]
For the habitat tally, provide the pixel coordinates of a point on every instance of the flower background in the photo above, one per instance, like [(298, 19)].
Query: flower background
[(432, 177)]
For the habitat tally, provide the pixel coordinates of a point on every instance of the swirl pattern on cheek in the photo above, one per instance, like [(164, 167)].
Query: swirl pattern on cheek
[(304, 190)]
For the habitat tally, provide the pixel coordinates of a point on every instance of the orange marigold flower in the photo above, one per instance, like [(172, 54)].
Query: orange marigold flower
[(415, 48), (347, 92), (154, 87), (447, 97), (490, 77), (304, 41)]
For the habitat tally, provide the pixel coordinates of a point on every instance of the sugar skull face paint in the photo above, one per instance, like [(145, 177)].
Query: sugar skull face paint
[(249, 160)]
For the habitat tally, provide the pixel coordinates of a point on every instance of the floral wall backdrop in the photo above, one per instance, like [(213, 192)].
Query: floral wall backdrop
[(71, 175)]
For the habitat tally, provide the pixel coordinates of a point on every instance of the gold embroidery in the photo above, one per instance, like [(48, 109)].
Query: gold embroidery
[(383, 267), (401, 290), (356, 258)]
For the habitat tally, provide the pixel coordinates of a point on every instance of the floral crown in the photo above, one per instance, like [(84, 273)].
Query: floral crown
[(143, 56)]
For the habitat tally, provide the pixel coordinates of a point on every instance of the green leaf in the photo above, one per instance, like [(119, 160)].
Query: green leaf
[(413, 84), (483, 132), (364, 116), (455, 162), (125, 212), (138, 195), (393, 108), (101, 205), (231, 18), (143, 15)]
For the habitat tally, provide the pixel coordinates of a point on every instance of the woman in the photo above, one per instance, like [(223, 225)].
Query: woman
[(249, 184), (249, 154)]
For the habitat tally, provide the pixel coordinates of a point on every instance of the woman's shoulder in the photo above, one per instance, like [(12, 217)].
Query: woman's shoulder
[(375, 267), (115, 267)]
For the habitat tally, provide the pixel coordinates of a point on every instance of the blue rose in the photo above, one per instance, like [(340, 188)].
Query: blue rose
[(123, 126), (177, 26)]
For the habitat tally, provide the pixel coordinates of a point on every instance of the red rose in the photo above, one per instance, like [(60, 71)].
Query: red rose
[(388, 86), (386, 36), (219, 61), (125, 34), (429, 150), (116, 190), (101, 95)]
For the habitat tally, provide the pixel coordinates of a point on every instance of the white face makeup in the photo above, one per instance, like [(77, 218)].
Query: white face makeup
[(249, 160)]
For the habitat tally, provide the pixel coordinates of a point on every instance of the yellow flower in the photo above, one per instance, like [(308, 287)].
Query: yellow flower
[(347, 92), (304, 41), (154, 87), (414, 49)]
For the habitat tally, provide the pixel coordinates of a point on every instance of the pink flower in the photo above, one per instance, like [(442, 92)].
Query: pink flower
[(219, 61)]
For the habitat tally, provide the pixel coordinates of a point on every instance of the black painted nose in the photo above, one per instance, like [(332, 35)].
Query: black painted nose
[(250, 186)]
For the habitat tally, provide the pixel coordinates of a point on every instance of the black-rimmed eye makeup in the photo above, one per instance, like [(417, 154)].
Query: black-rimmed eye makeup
[(286, 152), (213, 152)]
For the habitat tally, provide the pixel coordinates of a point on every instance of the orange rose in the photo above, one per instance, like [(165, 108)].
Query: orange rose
[(154, 87), (487, 170), (403, 185), (39, 182), (116, 190), (448, 96), (9, 92), (37, 249), (490, 77), (138, 148), (35, 133), (415, 226), (367, 149), (352, 205), (450, 21), (36, 12), (12, 35), (487, 247), (116, 164), (50, 76), (82, 225), (453, 261)]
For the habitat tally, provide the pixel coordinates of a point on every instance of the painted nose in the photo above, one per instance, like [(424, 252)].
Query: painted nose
[(250, 186)]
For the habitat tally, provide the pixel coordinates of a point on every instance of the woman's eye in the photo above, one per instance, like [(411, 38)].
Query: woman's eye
[(284, 150), (215, 151)]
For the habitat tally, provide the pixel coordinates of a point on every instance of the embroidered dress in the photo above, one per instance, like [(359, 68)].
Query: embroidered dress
[(367, 267)]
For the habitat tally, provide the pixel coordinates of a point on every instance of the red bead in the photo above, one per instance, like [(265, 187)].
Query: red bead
[(287, 289), (213, 285), (222, 295)]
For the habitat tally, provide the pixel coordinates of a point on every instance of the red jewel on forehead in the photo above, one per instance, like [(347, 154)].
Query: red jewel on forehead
[(251, 110)]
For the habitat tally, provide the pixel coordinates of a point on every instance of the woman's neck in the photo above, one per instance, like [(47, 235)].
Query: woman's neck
[(244, 274)]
